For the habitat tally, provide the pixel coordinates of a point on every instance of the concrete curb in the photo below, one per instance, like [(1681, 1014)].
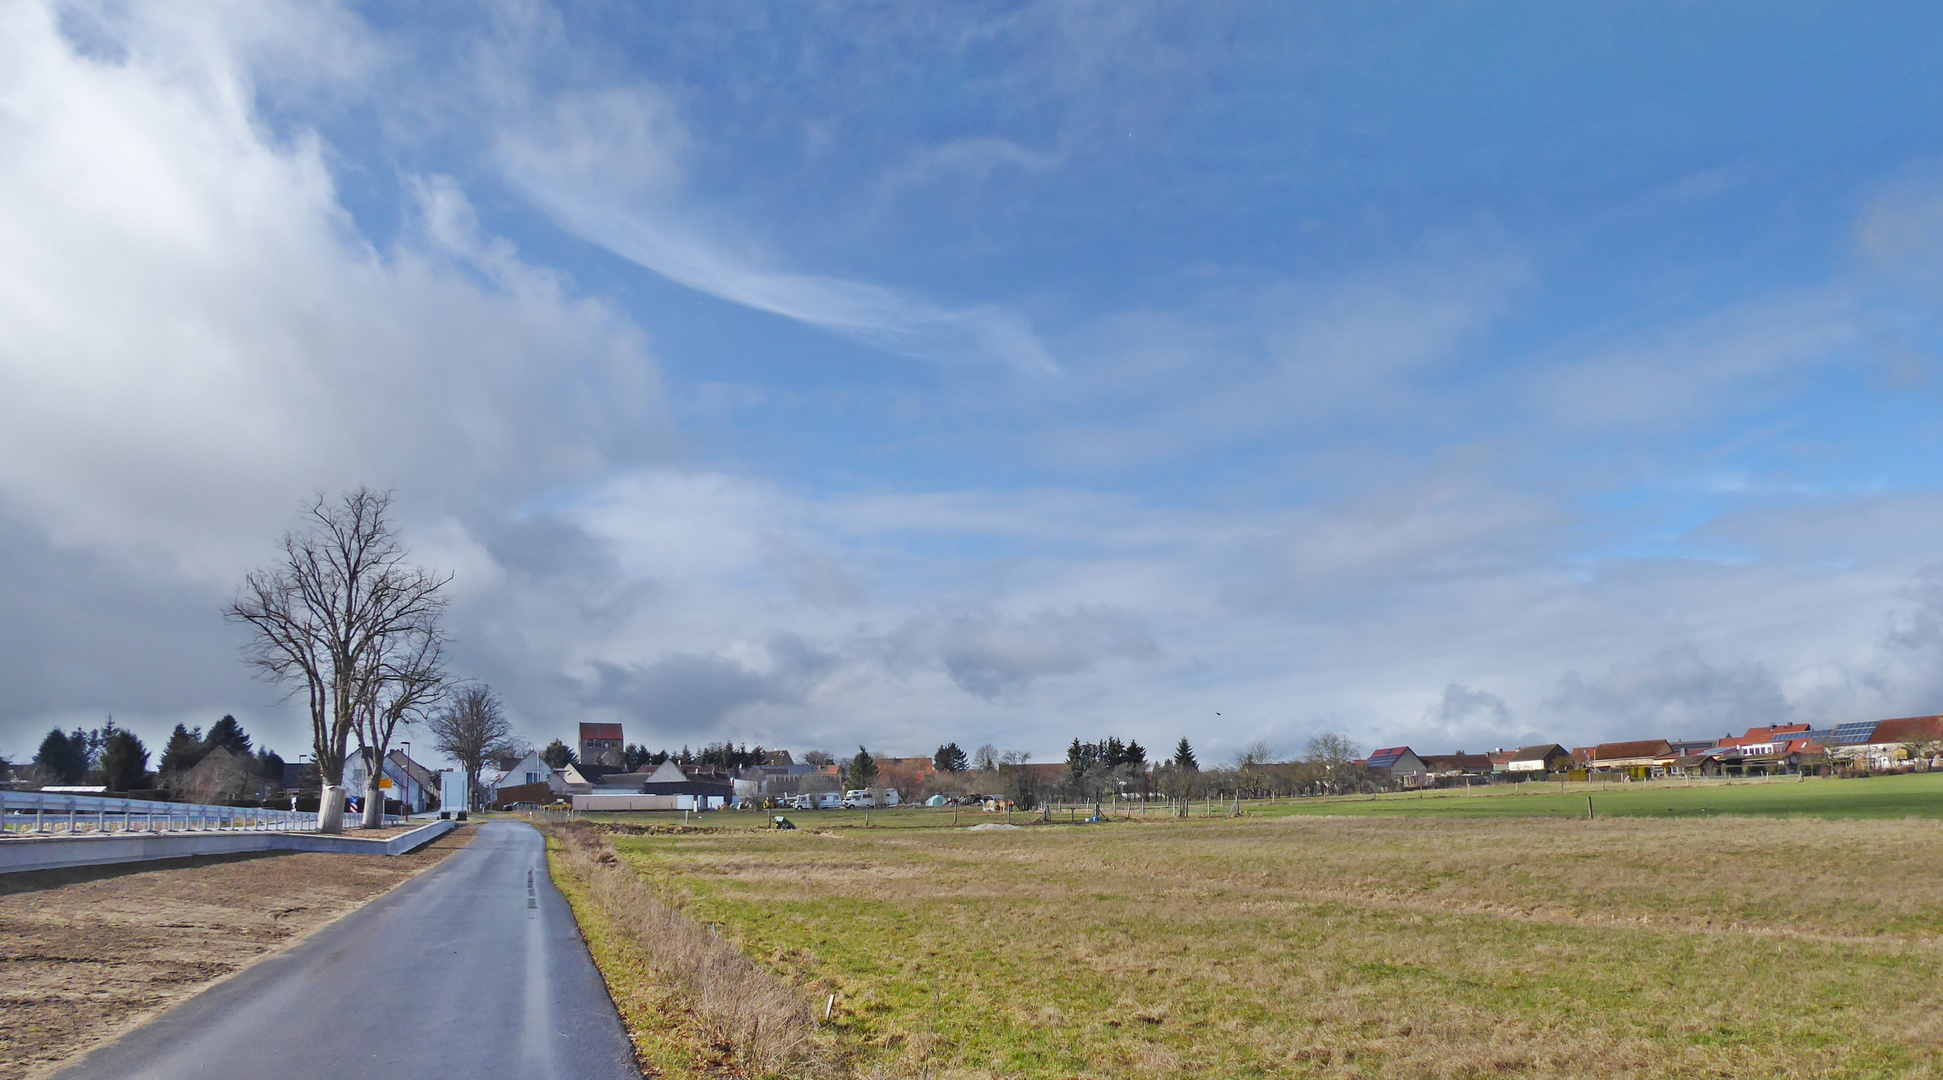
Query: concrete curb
[(59, 852)]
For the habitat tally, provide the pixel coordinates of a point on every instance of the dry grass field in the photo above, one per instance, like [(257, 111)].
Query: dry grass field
[(1330, 946)]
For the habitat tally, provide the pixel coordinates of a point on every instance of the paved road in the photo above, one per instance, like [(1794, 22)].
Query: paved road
[(472, 969)]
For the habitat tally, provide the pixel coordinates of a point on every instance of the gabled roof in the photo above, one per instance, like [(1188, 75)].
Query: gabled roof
[(1908, 729), (1455, 762), (600, 731), (1388, 756), (593, 774), (668, 772), (1642, 748), (1855, 732), (1538, 752), (1760, 736)]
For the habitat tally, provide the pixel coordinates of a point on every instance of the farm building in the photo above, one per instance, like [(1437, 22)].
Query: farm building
[(1888, 745), (1398, 764), (1639, 759), (1458, 767), (1531, 762)]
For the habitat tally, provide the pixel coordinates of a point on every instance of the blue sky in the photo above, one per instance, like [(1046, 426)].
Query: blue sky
[(840, 373)]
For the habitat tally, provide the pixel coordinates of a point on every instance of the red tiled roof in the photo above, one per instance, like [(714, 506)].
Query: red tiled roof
[(600, 731), (1909, 729), (1642, 748), (1757, 736)]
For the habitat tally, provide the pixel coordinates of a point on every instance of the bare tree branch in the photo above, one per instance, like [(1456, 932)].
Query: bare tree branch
[(471, 729), (344, 618)]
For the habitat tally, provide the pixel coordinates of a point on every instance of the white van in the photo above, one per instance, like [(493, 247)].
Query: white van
[(858, 799), (829, 800), (890, 797)]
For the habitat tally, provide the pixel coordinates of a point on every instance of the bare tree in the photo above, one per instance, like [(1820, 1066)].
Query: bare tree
[(403, 677), (1259, 752), (471, 729), (324, 616), (1332, 750), (985, 758)]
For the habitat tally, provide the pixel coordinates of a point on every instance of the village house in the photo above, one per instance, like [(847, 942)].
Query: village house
[(1535, 762), (1640, 759), (520, 781), (1398, 765), (1458, 768), (410, 783)]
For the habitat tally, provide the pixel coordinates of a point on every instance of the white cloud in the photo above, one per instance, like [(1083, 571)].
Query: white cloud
[(193, 333), (605, 167)]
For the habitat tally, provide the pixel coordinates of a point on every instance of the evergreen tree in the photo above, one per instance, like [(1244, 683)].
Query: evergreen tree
[(558, 755), (124, 761), (229, 735), (62, 758), (1184, 756), (183, 750), (949, 759), (863, 769), (1136, 755)]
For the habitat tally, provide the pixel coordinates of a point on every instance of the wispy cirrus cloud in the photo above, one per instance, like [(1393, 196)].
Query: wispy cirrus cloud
[(605, 166)]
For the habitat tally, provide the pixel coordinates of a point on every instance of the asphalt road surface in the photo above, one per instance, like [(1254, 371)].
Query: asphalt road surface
[(473, 969)]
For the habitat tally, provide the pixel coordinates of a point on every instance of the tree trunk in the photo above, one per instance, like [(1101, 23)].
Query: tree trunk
[(374, 803), (330, 809)]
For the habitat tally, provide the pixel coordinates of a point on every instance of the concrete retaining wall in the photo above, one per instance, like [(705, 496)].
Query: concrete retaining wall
[(58, 852)]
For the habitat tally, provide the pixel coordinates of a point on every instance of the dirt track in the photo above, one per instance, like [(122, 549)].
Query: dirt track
[(86, 954)]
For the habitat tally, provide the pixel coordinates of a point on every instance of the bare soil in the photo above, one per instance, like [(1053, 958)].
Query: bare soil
[(86, 954)]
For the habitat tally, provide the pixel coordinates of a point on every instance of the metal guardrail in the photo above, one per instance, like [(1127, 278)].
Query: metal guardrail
[(44, 813)]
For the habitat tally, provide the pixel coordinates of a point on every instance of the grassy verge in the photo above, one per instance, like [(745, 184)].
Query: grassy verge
[(694, 1005), (1331, 947)]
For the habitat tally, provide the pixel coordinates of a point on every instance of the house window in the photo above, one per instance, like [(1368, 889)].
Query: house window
[(532, 778)]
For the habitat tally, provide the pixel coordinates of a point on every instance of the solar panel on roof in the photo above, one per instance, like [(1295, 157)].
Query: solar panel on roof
[(1857, 731)]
